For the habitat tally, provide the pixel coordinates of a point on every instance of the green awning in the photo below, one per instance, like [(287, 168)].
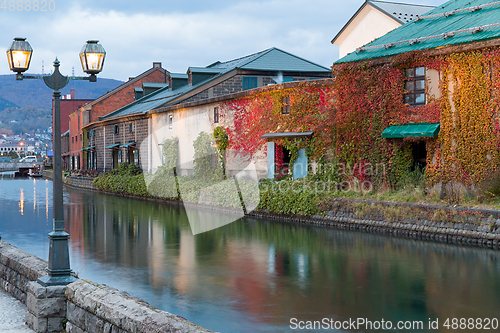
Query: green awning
[(113, 146), (89, 148), (127, 145), (422, 130)]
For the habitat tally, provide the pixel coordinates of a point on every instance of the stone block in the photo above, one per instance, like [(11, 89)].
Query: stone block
[(75, 314), (56, 291), (71, 328), (38, 325), (107, 327), (55, 324), (93, 323), (51, 307), (37, 290)]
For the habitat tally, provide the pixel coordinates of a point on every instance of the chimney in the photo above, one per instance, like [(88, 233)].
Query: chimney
[(156, 64), (72, 93)]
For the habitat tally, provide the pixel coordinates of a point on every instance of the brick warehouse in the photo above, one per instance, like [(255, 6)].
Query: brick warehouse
[(219, 79), (112, 100)]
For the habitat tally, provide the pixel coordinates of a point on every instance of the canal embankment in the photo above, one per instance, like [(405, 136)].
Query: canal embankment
[(82, 306), (448, 224)]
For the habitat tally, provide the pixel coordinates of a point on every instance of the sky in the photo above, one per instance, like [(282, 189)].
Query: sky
[(179, 34)]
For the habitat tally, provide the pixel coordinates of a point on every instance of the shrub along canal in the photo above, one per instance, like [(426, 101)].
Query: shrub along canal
[(253, 275)]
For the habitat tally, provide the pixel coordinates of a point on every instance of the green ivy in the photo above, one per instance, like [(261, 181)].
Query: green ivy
[(401, 162), (203, 152), (291, 197), (126, 179), (170, 152), (222, 141)]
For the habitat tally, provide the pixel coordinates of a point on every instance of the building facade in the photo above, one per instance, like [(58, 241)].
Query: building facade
[(373, 20), (80, 158), (115, 142)]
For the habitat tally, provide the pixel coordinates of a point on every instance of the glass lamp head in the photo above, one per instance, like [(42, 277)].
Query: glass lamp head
[(19, 55), (92, 57)]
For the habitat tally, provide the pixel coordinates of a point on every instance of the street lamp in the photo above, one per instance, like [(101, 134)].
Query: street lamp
[(92, 58)]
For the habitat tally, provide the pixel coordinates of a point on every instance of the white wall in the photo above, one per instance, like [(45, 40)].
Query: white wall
[(187, 124), (368, 25)]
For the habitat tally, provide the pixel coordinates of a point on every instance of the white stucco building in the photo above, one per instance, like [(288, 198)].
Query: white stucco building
[(373, 20)]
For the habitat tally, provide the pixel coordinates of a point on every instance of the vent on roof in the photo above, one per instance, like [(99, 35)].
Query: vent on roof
[(417, 40), (467, 9), (156, 64)]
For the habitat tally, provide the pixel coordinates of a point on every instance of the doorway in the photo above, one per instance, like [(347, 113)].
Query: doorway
[(419, 153), (282, 161)]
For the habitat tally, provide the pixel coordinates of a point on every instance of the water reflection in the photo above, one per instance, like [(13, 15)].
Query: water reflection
[(21, 202), (254, 275)]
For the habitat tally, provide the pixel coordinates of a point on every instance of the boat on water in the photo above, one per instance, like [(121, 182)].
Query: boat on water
[(35, 171)]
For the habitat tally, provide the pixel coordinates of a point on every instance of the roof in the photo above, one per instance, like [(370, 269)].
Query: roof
[(453, 23), (207, 70), (272, 59), (287, 135), (126, 84), (154, 85), (400, 12), (421, 130), (179, 76)]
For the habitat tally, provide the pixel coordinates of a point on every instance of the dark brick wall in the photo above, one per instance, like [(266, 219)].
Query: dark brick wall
[(124, 96), (124, 136), (232, 85)]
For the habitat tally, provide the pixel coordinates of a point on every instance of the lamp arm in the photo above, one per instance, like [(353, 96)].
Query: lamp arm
[(91, 78)]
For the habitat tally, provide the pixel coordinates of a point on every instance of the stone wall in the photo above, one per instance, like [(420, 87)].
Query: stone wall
[(99, 308), (83, 306), (48, 174), (18, 269), (79, 182), (10, 166)]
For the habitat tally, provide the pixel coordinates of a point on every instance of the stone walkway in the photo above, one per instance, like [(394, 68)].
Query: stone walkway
[(12, 314)]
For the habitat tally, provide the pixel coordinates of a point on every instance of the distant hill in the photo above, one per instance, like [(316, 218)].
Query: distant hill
[(31, 100), (36, 93), (24, 120), (4, 104)]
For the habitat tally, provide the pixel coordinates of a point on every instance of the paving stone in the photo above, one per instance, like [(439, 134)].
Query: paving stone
[(13, 314)]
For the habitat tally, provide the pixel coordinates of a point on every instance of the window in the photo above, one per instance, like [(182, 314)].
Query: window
[(285, 109), (415, 86), (216, 114), (170, 121), (249, 82), (131, 127), (136, 157), (116, 129)]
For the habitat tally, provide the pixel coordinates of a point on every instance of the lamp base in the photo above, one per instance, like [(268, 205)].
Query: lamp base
[(48, 281)]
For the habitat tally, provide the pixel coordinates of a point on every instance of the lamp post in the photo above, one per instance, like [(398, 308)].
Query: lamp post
[(92, 58)]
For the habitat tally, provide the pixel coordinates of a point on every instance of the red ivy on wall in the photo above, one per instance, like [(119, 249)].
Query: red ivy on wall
[(349, 116)]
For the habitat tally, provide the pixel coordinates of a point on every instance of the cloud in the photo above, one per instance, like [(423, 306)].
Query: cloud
[(179, 34)]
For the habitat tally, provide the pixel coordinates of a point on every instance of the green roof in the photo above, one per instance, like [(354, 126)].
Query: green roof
[(456, 22), (422, 130), (272, 59), (154, 85)]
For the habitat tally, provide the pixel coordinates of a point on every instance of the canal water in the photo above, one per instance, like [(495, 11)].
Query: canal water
[(254, 275)]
